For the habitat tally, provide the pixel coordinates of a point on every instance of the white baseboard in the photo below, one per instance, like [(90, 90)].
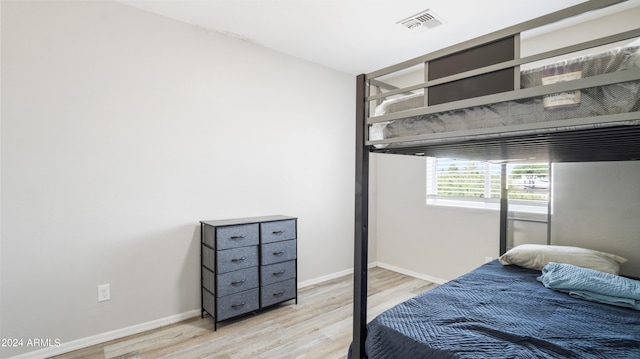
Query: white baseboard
[(105, 337), (412, 273), (327, 277), (154, 324)]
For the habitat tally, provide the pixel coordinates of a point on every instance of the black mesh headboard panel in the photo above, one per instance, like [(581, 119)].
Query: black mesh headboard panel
[(486, 84)]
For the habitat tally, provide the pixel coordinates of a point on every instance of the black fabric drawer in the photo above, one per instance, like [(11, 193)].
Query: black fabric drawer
[(278, 292), (278, 252), (208, 303), (237, 281), (237, 258), (237, 236), (237, 304), (277, 272), (241, 235), (208, 280), (277, 231), (208, 257)]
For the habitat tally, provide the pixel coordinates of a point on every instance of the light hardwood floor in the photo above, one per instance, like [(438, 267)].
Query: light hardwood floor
[(319, 326)]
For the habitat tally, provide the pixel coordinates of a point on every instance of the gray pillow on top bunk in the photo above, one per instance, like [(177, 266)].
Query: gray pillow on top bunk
[(536, 256)]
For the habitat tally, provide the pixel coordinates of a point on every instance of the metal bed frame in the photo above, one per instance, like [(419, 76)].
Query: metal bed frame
[(608, 143)]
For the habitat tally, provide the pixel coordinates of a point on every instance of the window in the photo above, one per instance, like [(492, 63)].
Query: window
[(477, 184)]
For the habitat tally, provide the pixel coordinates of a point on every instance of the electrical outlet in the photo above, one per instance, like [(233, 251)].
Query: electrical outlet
[(104, 292)]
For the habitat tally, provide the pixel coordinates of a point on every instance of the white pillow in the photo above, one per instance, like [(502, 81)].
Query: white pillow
[(536, 256)]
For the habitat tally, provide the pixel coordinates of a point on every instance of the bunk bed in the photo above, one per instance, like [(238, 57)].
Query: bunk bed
[(482, 100)]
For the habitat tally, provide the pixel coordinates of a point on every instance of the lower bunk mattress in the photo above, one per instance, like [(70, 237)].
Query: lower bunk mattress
[(611, 99), (501, 311)]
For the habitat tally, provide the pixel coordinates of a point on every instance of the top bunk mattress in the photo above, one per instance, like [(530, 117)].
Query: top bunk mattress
[(611, 99)]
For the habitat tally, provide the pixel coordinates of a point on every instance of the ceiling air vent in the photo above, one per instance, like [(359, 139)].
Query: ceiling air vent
[(422, 21)]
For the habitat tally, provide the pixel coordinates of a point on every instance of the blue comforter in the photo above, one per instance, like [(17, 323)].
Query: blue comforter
[(500, 311), (592, 285)]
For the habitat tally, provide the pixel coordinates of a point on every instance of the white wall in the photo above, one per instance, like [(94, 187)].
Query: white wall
[(121, 130), (597, 206), (534, 42), (445, 242), (434, 241)]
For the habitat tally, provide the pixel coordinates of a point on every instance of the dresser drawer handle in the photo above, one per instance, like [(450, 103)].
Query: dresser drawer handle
[(234, 306), (279, 253), (238, 259), (277, 232), (279, 273), (278, 294), (238, 237), (238, 282)]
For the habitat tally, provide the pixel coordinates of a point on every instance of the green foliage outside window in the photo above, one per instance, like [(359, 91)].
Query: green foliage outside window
[(475, 180)]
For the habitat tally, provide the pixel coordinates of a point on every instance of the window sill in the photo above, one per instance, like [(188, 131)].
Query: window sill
[(514, 206)]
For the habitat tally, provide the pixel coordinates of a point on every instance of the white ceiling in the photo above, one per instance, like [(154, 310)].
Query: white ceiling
[(353, 36)]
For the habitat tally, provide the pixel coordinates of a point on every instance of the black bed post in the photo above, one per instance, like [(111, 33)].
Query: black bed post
[(361, 226), (504, 208)]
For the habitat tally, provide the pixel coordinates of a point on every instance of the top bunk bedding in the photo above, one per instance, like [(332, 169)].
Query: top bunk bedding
[(547, 110)]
